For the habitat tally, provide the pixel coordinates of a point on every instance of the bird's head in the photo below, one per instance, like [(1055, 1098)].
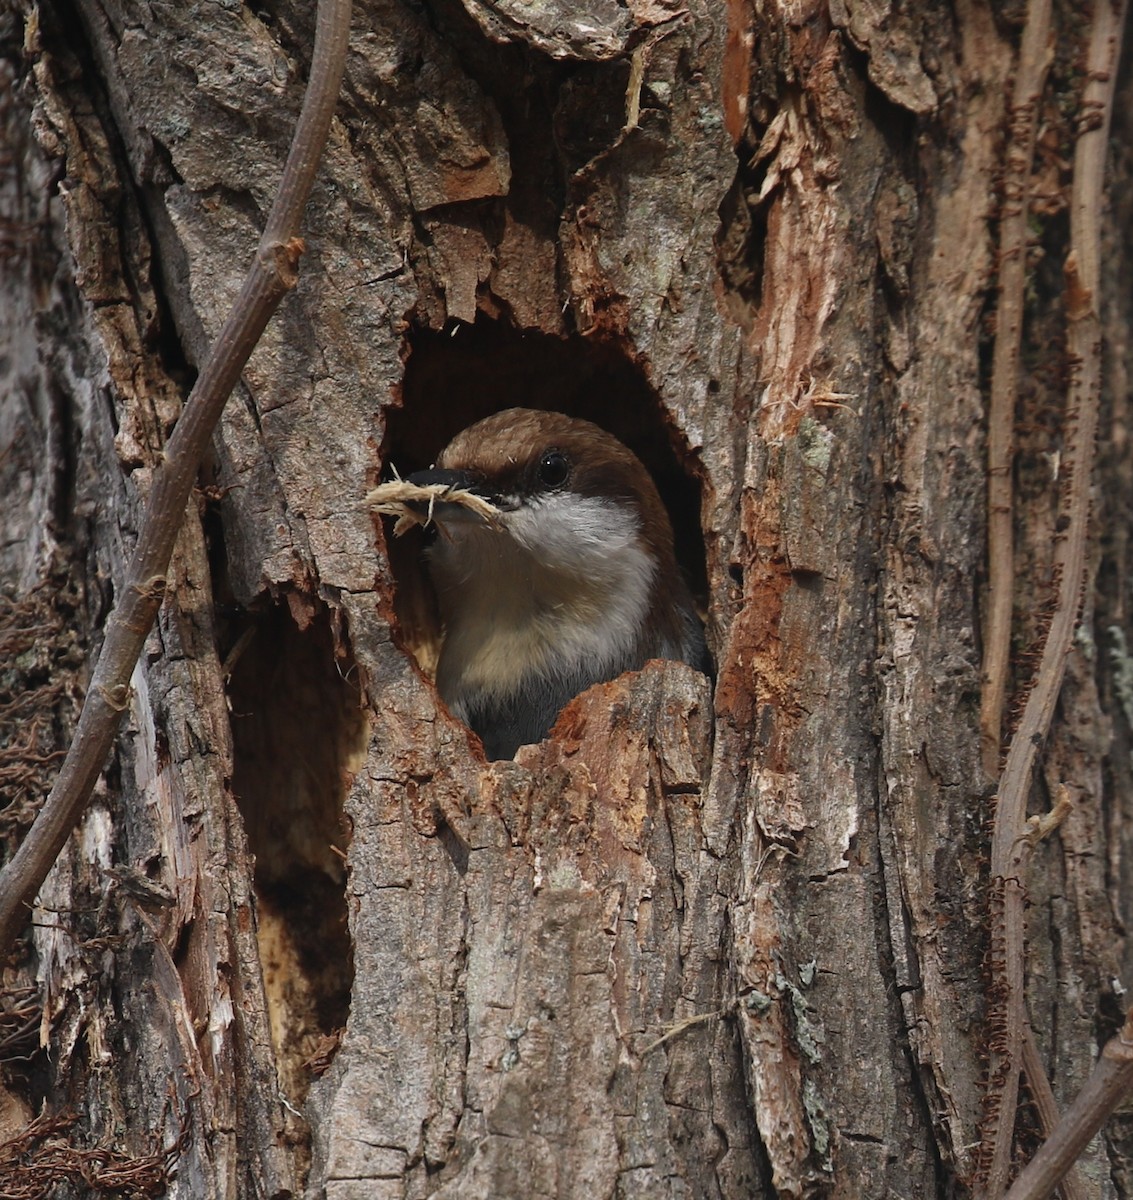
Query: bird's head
[(568, 493)]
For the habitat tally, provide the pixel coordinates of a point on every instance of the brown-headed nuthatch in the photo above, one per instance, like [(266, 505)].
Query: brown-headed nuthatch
[(572, 584)]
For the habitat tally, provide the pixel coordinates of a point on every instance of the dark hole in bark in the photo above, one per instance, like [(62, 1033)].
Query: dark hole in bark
[(297, 731), (740, 246), (463, 373)]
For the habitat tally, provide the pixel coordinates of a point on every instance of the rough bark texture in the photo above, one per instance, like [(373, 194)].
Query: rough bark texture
[(709, 940)]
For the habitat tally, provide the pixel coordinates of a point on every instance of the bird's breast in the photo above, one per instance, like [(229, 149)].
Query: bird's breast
[(512, 615)]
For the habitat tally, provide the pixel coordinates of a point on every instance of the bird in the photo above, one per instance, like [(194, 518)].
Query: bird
[(572, 582)]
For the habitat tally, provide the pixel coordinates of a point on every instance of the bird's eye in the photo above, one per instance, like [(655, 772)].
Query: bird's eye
[(553, 469)]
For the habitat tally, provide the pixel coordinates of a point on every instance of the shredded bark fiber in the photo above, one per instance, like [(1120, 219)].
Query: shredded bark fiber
[(39, 1158), (396, 499)]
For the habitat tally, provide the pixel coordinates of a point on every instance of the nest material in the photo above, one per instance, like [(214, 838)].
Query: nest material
[(396, 498)]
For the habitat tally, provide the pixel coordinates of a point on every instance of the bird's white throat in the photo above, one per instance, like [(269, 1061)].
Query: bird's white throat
[(566, 582)]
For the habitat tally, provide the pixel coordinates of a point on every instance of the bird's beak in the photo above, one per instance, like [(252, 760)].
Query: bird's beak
[(439, 509)]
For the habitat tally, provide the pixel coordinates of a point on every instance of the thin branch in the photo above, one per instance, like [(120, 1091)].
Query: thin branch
[(1010, 847), (1047, 1106), (271, 276), (1109, 1083), (1030, 77)]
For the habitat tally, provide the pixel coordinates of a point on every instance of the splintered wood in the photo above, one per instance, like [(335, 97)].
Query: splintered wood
[(396, 499)]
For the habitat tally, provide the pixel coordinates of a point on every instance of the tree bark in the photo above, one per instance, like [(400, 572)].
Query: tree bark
[(713, 938)]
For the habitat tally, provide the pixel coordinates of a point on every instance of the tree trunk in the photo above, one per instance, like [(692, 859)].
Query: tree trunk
[(722, 938)]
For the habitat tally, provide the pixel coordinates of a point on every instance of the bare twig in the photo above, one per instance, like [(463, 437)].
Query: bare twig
[(1041, 1092), (1111, 1080), (1047, 1108), (676, 1028), (1030, 76), (1010, 848), (270, 277)]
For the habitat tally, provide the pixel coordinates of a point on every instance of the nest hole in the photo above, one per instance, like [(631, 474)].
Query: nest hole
[(463, 373)]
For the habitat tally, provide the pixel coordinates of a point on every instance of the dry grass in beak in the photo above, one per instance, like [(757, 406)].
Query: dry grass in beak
[(396, 497)]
